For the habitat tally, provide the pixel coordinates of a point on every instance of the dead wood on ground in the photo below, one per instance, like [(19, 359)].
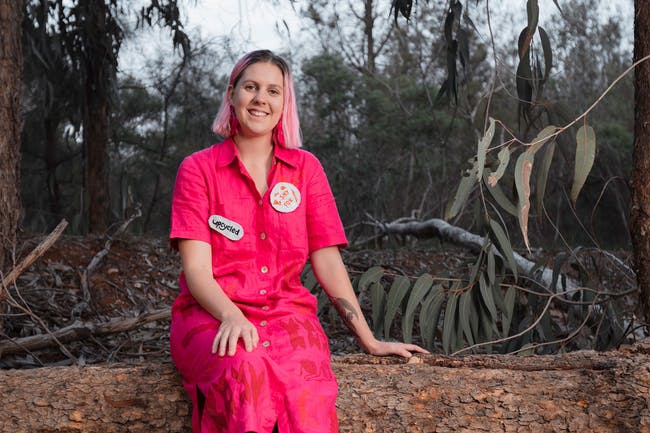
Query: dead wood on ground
[(582, 391)]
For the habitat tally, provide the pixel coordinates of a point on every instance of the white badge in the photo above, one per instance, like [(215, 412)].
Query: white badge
[(229, 229), (285, 197)]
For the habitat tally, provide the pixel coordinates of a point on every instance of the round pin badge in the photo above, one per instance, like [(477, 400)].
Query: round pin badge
[(285, 197)]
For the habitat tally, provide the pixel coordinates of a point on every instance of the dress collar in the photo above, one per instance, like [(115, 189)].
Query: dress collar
[(227, 152)]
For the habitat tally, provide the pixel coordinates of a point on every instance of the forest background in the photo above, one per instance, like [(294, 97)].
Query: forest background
[(395, 120)]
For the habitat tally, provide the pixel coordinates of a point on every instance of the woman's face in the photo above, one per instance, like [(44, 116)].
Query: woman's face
[(258, 98)]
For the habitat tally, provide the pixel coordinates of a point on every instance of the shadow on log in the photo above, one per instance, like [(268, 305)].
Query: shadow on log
[(578, 392)]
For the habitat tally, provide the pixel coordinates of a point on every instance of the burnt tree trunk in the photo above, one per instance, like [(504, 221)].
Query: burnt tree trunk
[(98, 75), (578, 392), (11, 72), (640, 211)]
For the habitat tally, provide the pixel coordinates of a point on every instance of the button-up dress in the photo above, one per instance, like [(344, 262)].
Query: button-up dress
[(260, 245)]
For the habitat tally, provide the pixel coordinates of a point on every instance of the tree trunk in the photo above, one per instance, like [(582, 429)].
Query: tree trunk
[(11, 72), (98, 76), (640, 211), (578, 392)]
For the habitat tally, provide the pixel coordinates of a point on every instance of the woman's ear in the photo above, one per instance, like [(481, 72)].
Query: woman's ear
[(229, 93)]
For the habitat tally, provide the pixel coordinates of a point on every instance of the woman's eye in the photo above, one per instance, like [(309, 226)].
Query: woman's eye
[(249, 87), (274, 92)]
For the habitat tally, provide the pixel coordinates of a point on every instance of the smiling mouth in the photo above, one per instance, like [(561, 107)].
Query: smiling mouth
[(256, 113)]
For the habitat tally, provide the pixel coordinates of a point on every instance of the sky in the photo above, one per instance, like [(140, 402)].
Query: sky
[(253, 23), (276, 25)]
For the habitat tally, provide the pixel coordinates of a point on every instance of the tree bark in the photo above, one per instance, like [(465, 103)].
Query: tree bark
[(577, 392), (11, 72), (97, 62), (640, 210)]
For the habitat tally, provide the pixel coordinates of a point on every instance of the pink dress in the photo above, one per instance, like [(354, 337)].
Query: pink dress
[(259, 247)]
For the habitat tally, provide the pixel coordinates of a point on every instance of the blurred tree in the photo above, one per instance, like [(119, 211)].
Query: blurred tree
[(163, 116), (51, 148), (369, 109), (90, 35), (11, 70)]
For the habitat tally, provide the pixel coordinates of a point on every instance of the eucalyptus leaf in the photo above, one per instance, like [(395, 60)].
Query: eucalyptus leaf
[(420, 289), (462, 194), (503, 244), (523, 170), (585, 155), (542, 175), (378, 298), (483, 145), (532, 7), (499, 196), (372, 275), (465, 314), (396, 294), (510, 308), (542, 137), (487, 327), (487, 296), (449, 322), (548, 52), (504, 159), (430, 314), (491, 267)]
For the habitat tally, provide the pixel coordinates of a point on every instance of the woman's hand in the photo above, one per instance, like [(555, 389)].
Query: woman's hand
[(234, 326), (383, 348)]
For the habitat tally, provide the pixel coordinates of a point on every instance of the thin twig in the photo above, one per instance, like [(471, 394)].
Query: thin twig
[(78, 331), (97, 258), (35, 254)]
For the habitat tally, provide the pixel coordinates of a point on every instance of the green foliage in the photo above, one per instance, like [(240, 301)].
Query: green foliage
[(585, 155), (485, 313)]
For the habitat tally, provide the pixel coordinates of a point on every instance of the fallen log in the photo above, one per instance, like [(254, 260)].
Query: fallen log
[(436, 227), (80, 330), (583, 391)]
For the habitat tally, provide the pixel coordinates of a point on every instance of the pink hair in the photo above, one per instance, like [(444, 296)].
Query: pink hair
[(289, 136)]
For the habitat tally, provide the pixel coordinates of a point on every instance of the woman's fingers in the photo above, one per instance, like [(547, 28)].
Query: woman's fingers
[(223, 343), (228, 336), (394, 348), (232, 342)]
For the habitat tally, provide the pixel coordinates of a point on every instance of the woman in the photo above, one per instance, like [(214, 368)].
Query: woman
[(246, 214)]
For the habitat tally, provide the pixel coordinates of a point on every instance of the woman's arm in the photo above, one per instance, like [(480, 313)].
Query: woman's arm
[(196, 259), (333, 277)]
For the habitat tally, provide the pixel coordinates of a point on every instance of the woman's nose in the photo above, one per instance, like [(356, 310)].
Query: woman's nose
[(259, 98)]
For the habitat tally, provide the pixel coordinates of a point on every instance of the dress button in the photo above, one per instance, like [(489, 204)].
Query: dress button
[(262, 292), (260, 202), (263, 323), (265, 308), (262, 236), (266, 344), (264, 269)]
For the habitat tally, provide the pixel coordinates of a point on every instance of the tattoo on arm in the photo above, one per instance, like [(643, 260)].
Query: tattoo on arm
[(347, 312)]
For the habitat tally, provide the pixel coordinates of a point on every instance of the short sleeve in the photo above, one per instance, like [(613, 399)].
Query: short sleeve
[(324, 227), (190, 204)]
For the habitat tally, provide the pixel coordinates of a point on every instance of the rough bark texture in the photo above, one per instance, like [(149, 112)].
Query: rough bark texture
[(11, 72), (97, 73), (640, 212), (579, 392)]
